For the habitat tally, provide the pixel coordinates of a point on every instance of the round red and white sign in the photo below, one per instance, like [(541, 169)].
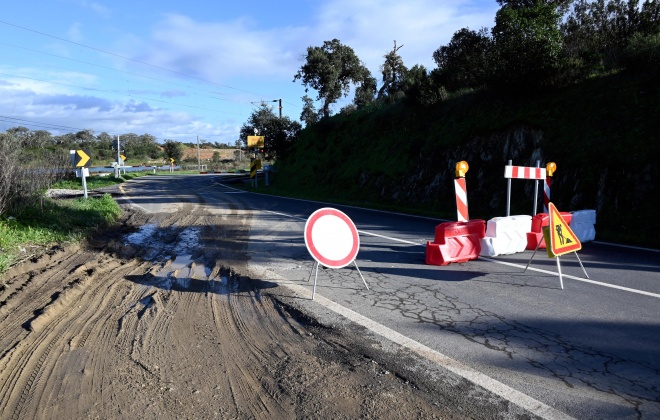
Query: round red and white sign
[(331, 238)]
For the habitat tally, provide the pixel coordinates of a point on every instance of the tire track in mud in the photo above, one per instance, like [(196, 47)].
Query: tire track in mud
[(171, 327)]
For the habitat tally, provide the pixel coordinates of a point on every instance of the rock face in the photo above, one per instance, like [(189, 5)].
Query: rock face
[(622, 194)]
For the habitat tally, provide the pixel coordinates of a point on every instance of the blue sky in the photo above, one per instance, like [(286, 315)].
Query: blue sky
[(182, 69)]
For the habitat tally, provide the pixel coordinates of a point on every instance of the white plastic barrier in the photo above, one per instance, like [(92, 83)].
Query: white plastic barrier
[(506, 235), (582, 224)]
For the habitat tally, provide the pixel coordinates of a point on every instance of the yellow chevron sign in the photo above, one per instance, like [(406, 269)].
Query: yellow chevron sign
[(82, 158)]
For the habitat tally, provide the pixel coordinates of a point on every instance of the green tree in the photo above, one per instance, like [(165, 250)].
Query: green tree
[(279, 133), (598, 33), (394, 76), (365, 92), (41, 139), (330, 70), (421, 88), (528, 45), (309, 114), (466, 61), (173, 150), (20, 134)]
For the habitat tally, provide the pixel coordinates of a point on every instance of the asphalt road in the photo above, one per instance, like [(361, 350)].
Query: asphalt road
[(590, 350)]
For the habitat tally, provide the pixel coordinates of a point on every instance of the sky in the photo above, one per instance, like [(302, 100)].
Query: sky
[(182, 70)]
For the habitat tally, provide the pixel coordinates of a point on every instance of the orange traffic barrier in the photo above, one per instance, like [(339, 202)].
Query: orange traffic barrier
[(455, 242)]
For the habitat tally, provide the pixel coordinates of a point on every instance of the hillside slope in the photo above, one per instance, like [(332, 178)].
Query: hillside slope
[(603, 135)]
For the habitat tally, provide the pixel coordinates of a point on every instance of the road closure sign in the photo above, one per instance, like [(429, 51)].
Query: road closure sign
[(331, 238), (562, 238)]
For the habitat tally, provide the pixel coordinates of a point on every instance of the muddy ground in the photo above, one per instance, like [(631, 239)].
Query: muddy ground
[(137, 322)]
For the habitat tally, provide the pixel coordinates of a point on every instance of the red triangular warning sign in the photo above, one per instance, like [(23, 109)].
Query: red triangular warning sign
[(562, 238)]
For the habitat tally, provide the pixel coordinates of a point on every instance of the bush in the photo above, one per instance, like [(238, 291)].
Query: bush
[(643, 53), (26, 173)]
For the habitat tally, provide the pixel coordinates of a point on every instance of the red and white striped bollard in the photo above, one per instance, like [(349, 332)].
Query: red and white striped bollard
[(461, 192)]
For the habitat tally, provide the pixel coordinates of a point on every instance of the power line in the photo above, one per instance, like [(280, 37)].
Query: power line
[(118, 93), (38, 124), (126, 58), (111, 69)]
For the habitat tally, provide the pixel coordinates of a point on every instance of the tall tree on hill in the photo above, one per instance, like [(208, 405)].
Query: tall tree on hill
[(365, 92), (466, 61), (528, 44), (309, 115), (330, 70), (597, 33), (394, 76)]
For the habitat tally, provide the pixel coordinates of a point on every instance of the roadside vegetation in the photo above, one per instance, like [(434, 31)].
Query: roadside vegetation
[(33, 230), (570, 81)]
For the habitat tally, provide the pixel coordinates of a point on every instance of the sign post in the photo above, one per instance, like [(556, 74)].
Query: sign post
[(522, 172), (81, 160), (255, 142), (332, 240)]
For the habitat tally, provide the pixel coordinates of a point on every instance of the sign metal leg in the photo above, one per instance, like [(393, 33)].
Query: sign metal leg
[(316, 274), (363, 280), (561, 281), (580, 261), (534, 253)]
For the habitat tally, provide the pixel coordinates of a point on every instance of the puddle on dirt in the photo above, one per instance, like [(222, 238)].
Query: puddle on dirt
[(142, 235), (188, 240), (182, 273), (151, 236)]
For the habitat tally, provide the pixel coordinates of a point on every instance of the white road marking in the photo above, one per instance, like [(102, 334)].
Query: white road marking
[(597, 283), (516, 397)]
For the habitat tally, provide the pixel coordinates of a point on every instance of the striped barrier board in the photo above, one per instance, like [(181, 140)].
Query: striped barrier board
[(524, 172), (461, 200)]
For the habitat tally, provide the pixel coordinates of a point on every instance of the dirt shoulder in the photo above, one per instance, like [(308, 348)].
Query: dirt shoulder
[(156, 318)]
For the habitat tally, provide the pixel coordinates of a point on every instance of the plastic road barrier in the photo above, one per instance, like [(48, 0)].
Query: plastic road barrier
[(506, 235), (582, 224), (455, 242)]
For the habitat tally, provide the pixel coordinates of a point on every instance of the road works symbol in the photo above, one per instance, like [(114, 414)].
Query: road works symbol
[(562, 238), (562, 241), (332, 240)]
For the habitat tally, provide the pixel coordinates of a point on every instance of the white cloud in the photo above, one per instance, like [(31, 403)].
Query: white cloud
[(421, 26), (242, 53), (220, 50)]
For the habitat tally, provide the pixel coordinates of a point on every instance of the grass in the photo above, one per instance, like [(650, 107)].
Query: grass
[(62, 221), (58, 221)]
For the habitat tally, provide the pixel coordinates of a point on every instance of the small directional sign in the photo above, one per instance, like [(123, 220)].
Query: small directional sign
[(81, 158), (123, 157), (562, 238)]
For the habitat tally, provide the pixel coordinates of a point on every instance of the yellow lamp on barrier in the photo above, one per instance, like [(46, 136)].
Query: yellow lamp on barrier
[(461, 168), (550, 168)]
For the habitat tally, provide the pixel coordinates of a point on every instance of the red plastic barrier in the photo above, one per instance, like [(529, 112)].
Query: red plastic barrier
[(455, 242), (538, 221)]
